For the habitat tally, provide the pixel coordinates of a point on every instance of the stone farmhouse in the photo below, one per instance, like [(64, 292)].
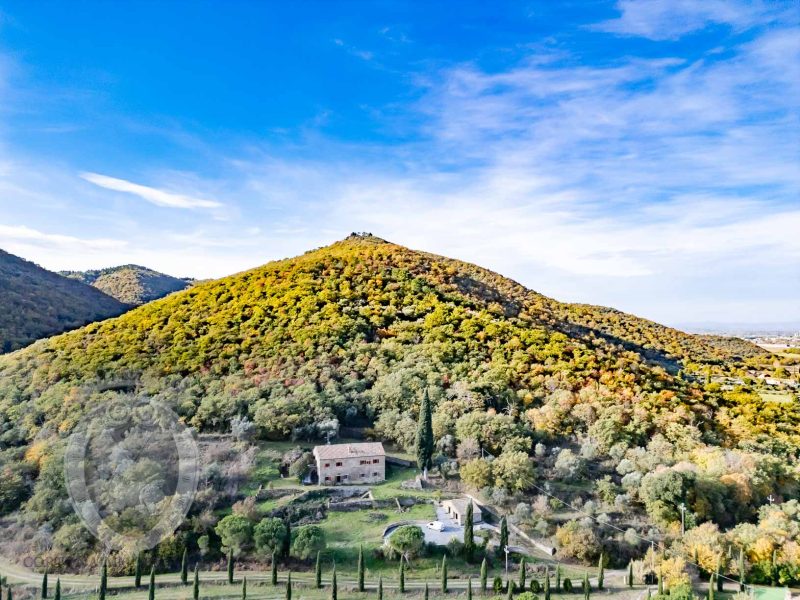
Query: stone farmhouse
[(350, 464)]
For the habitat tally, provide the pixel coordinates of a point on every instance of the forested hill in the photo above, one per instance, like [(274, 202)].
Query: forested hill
[(360, 327), (131, 284), (36, 303)]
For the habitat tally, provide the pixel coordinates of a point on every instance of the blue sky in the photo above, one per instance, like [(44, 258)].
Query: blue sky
[(638, 154)]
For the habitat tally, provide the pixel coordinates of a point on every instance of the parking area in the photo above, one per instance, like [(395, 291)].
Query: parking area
[(451, 529)]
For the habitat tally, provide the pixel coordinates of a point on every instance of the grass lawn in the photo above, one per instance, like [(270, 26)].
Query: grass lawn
[(777, 396)]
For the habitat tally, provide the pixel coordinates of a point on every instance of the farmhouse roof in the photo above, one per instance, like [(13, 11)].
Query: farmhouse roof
[(349, 450)]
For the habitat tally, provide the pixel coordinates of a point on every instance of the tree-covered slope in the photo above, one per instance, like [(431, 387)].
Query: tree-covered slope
[(36, 303), (131, 284)]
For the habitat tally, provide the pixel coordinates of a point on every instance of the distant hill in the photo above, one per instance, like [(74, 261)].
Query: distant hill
[(37, 303), (131, 284)]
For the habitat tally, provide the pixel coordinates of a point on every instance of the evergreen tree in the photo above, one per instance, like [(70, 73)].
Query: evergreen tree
[(44, 584), (196, 586), (289, 586), (425, 434), (660, 583), (547, 583), (469, 534), (402, 576), (244, 587), (586, 587), (185, 567), (711, 587), (230, 565), (503, 536), (151, 590), (774, 567), (8, 593), (522, 574), (469, 588), (509, 589), (103, 581), (137, 573), (717, 577), (558, 578), (334, 585), (58, 590), (286, 544), (630, 574), (426, 596), (318, 573), (361, 568), (741, 570), (444, 574), (274, 569), (601, 571), (380, 587), (484, 576)]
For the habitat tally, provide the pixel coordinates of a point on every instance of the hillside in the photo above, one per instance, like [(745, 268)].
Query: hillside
[(37, 303), (130, 284), (357, 332)]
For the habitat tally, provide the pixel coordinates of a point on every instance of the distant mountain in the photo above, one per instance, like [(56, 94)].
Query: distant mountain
[(131, 284), (37, 303)]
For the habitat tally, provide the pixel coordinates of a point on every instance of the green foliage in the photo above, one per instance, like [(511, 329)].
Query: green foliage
[(137, 573), (407, 541), (103, 581), (269, 535), (484, 576), (444, 574), (335, 585), (360, 568), (151, 588), (469, 533), (503, 536), (567, 585), (289, 586), (57, 595), (402, 577), (230, 565), (308, 540), (274, 568), (185, 567), (235, 532), (424, 441), (130, 284), (196, 583), (317, 572)]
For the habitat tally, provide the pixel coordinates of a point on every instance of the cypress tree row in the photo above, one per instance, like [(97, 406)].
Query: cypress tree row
[(426, 596), (402, 576), (196, 586), (289, 586), (151, 590), (522, 574), (558, 578), (741, 570), (469, 534), (334, 585), (630, 574), (586, 587), (503, 536), (44, 584), (317, 573), (717, 577), (137, 572), (361, 568), (660, 583), (509, 589), (8, 594), (547, 583), (774, 567), (244, 587), (425, 434), (601, 571), (469, 588), (711, 584), (103, 581), (230, 565), (185, 567), (58, 590), (484, 576), (444, 574), (286, 543), (380, 587), (274, 570)]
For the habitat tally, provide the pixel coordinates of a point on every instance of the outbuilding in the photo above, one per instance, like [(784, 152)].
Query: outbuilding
[(457, 509)]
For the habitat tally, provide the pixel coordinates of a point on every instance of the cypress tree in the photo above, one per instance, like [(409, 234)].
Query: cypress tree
[(402, 576), (660, 583), (503, 536), (547, 583), (334, 585), (151, 590), (137, 573), (469, 588), (711, 584), (103, 581), (230, 565), (425, 434), (185, 567), (522, 574), (774, 567), (318, 573), (509, 589), (444, 574), (274, 569), (8, 593), (741, 570), (58, 590), (244, 587), (630, 574), (286, 543), (469, 533), (586, 588), (426, 596), (196, 586), (717, 577), (484, 576), (44, 584), (361, 568), (380, 587), (558, 578), (601, 569), (289, 586)]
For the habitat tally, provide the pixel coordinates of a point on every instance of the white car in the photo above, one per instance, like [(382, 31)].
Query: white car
[(436, 525)]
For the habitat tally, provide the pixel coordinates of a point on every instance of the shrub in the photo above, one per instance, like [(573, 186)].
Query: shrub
[(308, 541), (567, 585), (536, 587)]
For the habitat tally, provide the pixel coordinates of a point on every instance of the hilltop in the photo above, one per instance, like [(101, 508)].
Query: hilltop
[(36, 303), (130, 284)]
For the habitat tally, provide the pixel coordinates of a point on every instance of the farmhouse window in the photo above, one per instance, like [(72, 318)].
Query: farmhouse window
[(338, 464), (327, 464), (377, 461)]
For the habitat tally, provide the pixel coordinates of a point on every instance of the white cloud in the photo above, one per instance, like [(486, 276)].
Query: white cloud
[(12, 234), (151, 194)]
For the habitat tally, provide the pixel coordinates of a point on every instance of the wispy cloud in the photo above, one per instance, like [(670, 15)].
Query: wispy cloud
[(150, 194), (11, 234)]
